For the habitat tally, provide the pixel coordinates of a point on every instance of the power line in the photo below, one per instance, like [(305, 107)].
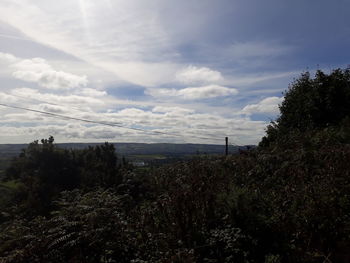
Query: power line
[(116, 123), (42, 101), (55, 104), (100, 122), (77, 119)]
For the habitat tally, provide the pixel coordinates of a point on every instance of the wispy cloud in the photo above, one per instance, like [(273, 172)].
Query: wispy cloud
[(194, 93), (134, 39), (257, 49)]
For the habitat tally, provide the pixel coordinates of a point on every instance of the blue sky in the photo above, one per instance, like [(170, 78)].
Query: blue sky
[(195, 70)]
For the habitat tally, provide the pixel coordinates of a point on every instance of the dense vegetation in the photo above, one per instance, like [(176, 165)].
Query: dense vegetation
[(286, 201)]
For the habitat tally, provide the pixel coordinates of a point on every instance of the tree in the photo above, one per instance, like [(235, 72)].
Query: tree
[(98, 166), (312, 104), (45, 170)]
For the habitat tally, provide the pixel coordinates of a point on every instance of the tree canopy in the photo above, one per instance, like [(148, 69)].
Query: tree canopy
[(312, 104), (45, 170)]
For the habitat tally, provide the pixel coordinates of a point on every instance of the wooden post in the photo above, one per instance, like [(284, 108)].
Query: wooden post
[(226, 149)]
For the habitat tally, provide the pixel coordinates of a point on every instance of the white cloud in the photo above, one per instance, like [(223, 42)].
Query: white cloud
[(7, 58), (165, 109), (39, 71), (161, 92), (195, 75), (267, 105), (7, 98), (205, 92), (93, 92), (53, 108), (194, 93), (67, 100)]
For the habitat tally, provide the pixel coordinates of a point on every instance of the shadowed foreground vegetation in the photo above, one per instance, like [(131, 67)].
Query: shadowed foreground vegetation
[(286, 201)]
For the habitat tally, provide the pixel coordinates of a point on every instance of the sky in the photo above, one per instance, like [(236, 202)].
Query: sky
[(185, 71)]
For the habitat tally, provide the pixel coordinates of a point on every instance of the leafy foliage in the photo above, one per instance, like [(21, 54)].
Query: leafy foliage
[(87, 227)]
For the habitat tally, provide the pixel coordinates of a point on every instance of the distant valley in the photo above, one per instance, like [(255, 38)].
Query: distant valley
[(138, 153)]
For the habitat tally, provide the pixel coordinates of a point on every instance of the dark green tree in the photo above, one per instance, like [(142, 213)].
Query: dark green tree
[(312, 104), (98, 166), (45, 170)]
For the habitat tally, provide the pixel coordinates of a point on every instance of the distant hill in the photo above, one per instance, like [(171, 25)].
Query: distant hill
[(127, 149)]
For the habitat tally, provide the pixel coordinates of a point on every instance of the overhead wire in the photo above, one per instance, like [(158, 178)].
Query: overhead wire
[(115, 124), (55, 115), (109, 123), (55, 104), (78, 109)]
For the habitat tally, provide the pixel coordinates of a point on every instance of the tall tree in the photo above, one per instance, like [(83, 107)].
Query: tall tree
[(45, 170), (313, 104)]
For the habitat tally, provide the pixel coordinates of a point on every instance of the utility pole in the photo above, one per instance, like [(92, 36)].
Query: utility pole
[(226, 149)]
